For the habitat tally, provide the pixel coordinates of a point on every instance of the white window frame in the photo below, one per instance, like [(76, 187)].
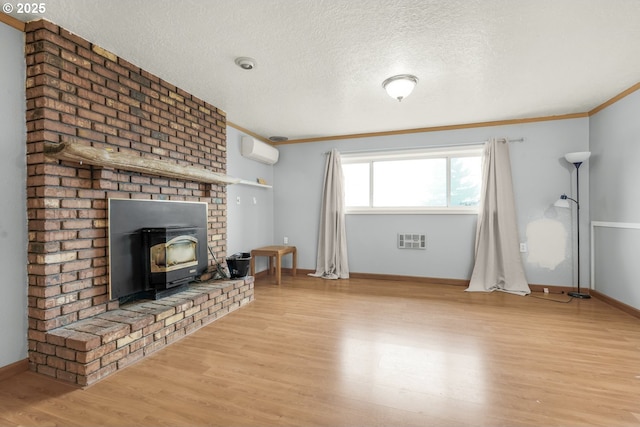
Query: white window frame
[(474, 150)]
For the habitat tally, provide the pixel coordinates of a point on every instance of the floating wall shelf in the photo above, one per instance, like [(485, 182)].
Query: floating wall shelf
[(254, 184)]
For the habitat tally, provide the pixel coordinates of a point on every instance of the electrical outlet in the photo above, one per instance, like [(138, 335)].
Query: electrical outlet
[(523, 247), (286, 240)]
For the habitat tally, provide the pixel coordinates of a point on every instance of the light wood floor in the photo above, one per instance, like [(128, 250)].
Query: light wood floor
[(366, 353)]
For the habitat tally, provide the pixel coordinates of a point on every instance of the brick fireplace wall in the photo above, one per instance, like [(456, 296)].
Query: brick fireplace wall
[(78, 92)]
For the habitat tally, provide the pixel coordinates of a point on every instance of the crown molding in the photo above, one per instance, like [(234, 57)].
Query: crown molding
[(12, 22), (437, 128), (615, 99), (248, 132)]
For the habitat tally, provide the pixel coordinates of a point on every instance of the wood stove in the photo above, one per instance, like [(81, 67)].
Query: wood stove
[(170, 256)]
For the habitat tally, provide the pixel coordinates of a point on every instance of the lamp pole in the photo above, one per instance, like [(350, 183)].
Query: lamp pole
[(578, 294)]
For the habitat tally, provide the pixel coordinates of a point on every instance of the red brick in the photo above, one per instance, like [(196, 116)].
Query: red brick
[(56, 362), (90, 312), (66, 376), (54, 192), (76, 265), (77, 40), (91, 115), (83, 368), (41, 180), (45, 348), (48, 69), (42, 91), (43, 270), (114, 356), (154, 327), (75, 80), (96, 376), (75, 204), (46, 370), (48, 34), (104, 72), (48, 325), (97, 353), (76, 244), (100, 243), (76, 224), (75, 285), (91, 234), (98, 269), (76, 306), (75, 100), (40, 24)]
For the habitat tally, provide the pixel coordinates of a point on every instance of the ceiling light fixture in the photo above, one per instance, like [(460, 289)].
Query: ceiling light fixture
[(246, 63), (400, 86)]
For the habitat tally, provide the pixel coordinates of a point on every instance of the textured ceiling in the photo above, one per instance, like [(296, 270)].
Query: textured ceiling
[(320, 63)]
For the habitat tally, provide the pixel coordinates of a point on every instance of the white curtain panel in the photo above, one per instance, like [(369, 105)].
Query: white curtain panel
[(498, 264), (332, 262)]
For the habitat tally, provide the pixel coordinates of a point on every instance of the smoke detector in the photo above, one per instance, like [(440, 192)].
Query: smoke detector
[(246, 63)]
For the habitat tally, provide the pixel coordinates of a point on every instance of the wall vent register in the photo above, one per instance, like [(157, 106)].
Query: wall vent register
[(412, 241)]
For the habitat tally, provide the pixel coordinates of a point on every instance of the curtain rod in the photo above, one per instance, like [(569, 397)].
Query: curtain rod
[(428, 146)]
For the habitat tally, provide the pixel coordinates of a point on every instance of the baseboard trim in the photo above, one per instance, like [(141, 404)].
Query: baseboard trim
[(14, 369), (415, 279), (374, 276), (617, 304), (433, 280)]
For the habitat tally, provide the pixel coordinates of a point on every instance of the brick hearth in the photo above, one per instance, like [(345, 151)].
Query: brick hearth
[(79, 93), (88, 350)]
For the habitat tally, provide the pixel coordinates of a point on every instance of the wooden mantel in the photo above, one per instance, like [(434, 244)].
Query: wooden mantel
[(107, 158)]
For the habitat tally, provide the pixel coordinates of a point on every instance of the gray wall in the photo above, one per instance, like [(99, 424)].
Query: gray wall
[(615, 151), (615, 175), (250, 222), (13, 221), (540, 175)]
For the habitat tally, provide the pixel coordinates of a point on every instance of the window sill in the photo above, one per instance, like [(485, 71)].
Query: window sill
[(412, 211)]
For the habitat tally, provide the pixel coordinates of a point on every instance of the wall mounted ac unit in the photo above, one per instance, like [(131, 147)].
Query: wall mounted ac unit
[(259, 151)]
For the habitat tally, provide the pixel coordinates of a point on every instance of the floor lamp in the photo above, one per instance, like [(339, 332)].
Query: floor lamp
[(563, 202)]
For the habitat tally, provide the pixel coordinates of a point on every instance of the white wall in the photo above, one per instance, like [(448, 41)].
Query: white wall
[(250, 222), (615, 175), (13, 221), (540, 175)]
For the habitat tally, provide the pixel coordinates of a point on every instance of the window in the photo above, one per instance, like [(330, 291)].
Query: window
[(413, 181)]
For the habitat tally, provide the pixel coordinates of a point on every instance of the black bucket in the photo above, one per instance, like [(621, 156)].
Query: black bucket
[(239, 264)]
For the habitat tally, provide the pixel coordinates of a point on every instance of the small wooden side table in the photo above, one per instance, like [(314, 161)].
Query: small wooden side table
[(275, 252)]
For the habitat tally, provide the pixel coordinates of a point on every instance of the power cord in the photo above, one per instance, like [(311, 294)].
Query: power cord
[(551, 299)]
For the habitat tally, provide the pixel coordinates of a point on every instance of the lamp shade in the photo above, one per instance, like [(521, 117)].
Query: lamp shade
[(577, 157), (562, 203), (400, 86)]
